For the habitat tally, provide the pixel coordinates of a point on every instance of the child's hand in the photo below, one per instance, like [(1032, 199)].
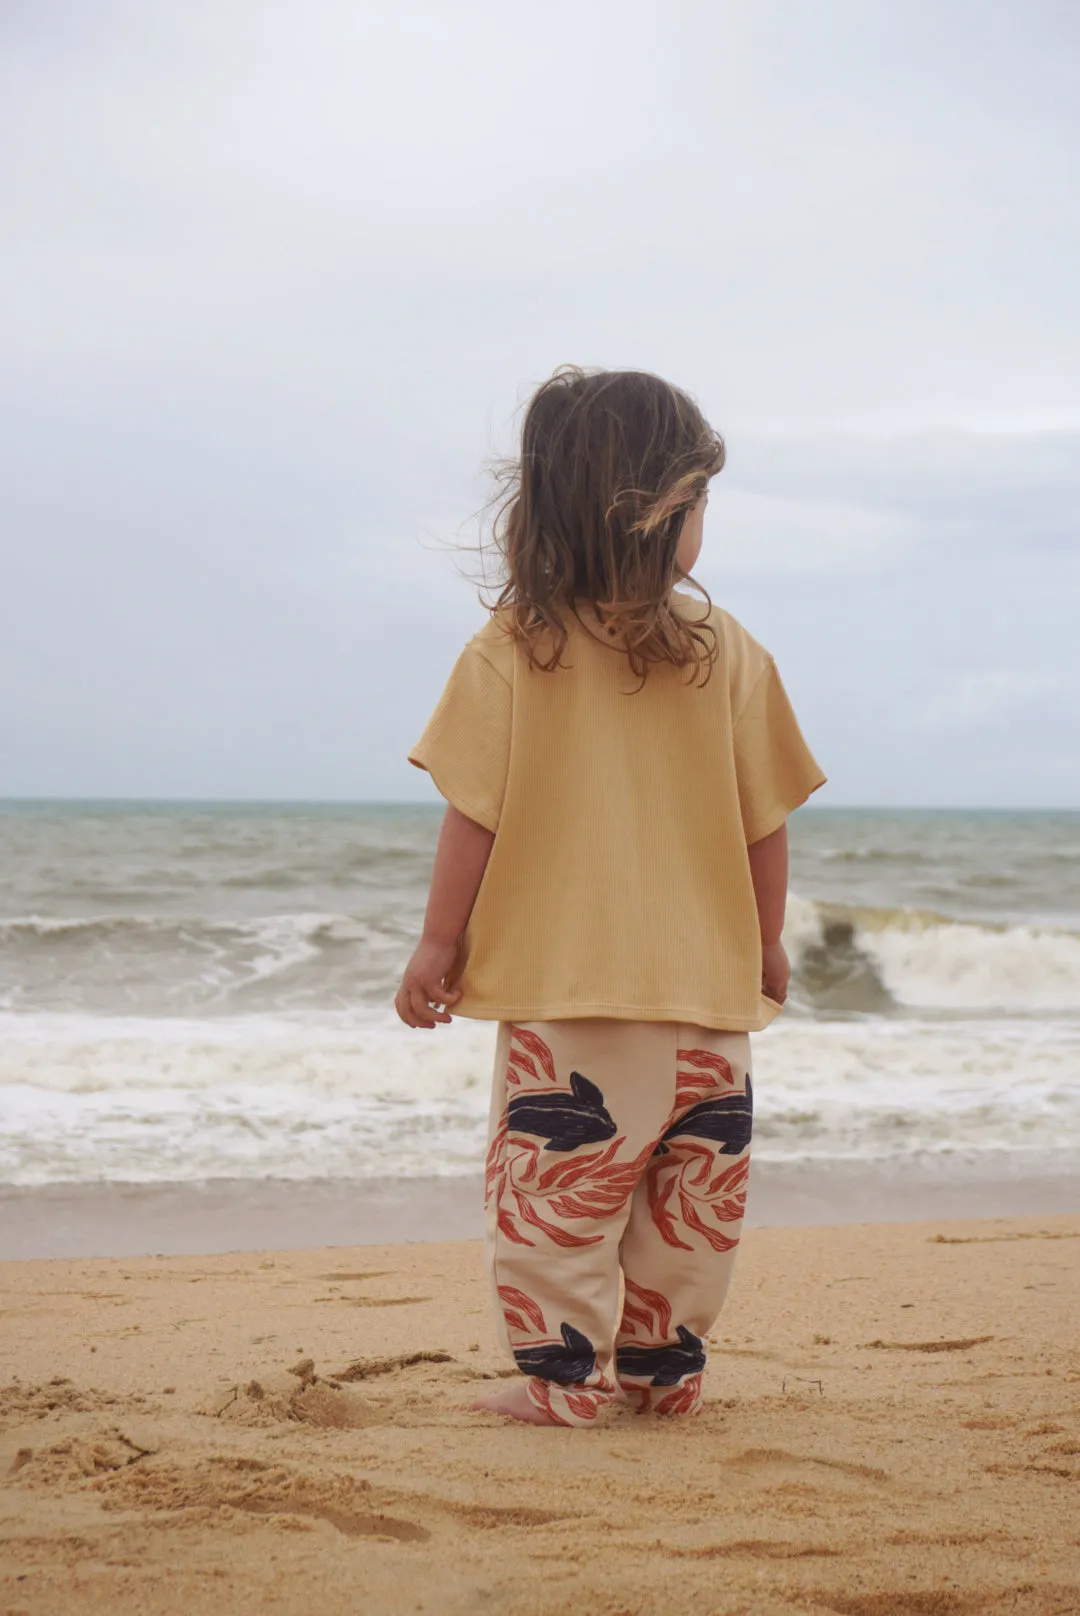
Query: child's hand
[(775, 972), (424, 984)]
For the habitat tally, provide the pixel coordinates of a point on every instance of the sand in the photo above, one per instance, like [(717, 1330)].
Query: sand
[(892, 1429)]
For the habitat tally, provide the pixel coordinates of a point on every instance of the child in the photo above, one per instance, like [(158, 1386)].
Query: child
[(619, 759)]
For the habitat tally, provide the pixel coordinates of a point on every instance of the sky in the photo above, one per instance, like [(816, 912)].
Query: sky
[(277, 280)]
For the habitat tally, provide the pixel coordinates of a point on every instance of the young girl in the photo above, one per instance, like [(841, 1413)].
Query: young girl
[(619, 760)]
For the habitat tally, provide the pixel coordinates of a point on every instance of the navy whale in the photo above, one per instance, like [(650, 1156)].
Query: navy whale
[(564, 1120), (728, 1122), (574, 1361), (667, 1365)]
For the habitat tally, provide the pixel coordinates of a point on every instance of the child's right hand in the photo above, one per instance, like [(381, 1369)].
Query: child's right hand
[(775, 972), (424, 984)]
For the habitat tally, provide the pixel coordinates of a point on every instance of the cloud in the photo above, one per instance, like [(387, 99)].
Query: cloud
[(981, 698), (274, 283), (843, 500)]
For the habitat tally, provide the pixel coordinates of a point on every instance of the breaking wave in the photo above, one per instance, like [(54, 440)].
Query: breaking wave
[(877, 961), (846, 960)]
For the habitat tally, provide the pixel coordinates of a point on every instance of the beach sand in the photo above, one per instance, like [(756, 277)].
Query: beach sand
[(892, 1428)]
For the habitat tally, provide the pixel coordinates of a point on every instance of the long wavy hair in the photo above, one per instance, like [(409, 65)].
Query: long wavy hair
[(591, 513)]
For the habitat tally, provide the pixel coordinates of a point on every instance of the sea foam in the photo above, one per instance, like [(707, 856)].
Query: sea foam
[(273, 1097)]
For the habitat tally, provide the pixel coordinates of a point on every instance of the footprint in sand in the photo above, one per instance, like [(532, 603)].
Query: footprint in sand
[(495, 1516), (945, 1539), (905, 1603), (957, 1344), (373, 1273), (369, 1368), (250, 1488), (384, 1301), (994, 1239), (368, 1301), (779, 1463), (752, 1548)]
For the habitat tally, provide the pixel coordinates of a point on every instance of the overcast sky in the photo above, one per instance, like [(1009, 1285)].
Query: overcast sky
[(276, 278)]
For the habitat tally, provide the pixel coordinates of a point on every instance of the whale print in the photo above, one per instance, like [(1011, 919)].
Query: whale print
[(567, 1365), (666, 1365), (641, 1166), (727, 1122), (565, 1121)]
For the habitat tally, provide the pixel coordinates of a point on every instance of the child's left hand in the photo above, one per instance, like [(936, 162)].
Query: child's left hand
[(424, 984)]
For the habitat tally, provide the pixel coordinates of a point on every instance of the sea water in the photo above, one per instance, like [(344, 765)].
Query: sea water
[(191, 992)]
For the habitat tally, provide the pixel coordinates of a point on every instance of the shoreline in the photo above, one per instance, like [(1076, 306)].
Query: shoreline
[(61, 1221)]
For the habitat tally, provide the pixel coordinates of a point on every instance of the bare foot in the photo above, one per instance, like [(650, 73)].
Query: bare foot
[(515, 1401)]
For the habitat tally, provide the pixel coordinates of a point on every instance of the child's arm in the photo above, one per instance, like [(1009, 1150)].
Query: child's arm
[(460, 861), (769, 871)]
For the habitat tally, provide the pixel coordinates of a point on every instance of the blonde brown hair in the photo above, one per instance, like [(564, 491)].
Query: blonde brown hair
[(610, 463)]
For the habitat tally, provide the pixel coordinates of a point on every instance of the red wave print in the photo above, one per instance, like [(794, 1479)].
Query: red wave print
[(608, 1187), (561, 1237), (513, 1077), (731, 1185), (516, 1298), (658, 1196), (713, 1072), (496, 1156), (535, 1046), (655, 1310), (593, 1185), (540, 1394), (683, 1400), (571, 1168), (707, 1060), (509, 1228), (586, 1405), (686, 1174), (693, 1220), (686, 1150)]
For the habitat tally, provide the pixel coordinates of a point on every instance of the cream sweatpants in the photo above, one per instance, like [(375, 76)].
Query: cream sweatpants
[(615, 1148)]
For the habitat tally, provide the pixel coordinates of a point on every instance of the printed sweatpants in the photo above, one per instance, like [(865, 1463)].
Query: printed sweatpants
[(616, 1148)]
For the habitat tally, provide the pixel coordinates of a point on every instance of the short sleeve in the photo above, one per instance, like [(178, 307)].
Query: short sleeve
[(466, 744), (775, 768)]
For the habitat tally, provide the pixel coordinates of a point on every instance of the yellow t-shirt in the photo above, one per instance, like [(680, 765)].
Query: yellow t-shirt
[(618, 882)]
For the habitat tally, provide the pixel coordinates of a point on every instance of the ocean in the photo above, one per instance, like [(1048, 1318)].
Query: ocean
[(197, 992)]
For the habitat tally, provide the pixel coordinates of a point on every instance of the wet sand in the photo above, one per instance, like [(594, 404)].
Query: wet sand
[(125, 1220), (892, 1428)]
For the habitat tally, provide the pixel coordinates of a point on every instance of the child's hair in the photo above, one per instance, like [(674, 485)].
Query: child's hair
[(611, 461)]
